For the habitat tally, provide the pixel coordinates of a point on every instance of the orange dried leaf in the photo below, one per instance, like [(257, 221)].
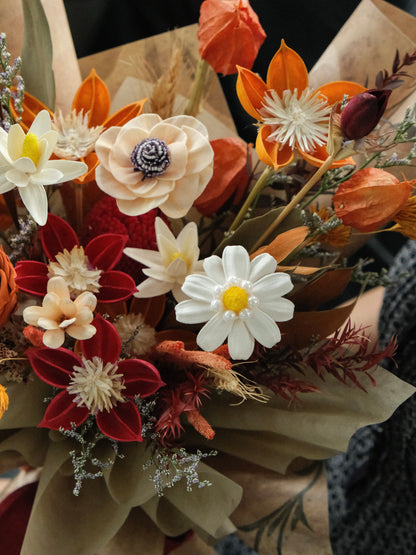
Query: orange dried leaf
[(321, 290), (304, 327), (284, 244)]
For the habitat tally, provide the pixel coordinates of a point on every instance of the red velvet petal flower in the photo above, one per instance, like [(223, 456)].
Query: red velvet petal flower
[(57, 235), (62, 412), (53, 366), (140, 377), (105, 251), (105, 344), (115, 286), (122, 423), (32, 277)]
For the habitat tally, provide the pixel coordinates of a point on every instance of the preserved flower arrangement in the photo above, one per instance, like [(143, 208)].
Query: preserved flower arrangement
[(168, 304)]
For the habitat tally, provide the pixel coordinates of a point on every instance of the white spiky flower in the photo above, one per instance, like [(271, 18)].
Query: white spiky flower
[(75, 138), (295, 119)]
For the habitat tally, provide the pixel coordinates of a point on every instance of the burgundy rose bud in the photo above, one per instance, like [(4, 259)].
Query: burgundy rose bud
[(363, 112)]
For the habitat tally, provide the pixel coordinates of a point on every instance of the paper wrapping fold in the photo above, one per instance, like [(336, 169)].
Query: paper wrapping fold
[(130, 71), (269, 436), (365, 45), (65, 63)]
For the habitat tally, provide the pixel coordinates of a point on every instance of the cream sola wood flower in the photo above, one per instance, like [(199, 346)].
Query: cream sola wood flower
[(25, 164), (154, 163), (239, 299), (59, 314), (168, 267)]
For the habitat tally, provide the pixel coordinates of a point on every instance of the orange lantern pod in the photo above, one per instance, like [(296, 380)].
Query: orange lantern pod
[(370, 199), (230, 175), (229, 34)]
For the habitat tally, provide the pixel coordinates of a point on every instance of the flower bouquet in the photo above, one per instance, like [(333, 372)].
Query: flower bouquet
[(170, 334)]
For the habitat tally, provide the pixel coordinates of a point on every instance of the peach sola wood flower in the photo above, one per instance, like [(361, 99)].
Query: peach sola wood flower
[(96, 383), (154, 163), (89, 269), (292, 117)]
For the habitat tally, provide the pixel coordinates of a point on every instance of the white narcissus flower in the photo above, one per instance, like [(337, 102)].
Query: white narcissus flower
[(240, 300), (154, 163), (168, 267), (59, 314), (25, 164)]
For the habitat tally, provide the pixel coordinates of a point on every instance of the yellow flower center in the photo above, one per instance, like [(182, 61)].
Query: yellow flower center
[(235, 298), (30, 148), (176, 255)]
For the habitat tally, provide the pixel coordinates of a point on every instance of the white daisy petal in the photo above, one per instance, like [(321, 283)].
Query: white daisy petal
[(273, 285), (281, 310), (193, 312), (262, 265), (199, 287), (240, 341), (236, 262), (214, 268), (214, 333), (263, 328)]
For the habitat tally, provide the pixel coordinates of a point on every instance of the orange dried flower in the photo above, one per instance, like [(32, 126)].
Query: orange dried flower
[(406, 219), (34, 335), (229, 34), (4, 400), (200, 424), (370, 199), (8, 287), (230, 175)]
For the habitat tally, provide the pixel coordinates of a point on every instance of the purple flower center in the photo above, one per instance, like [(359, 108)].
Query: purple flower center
[(151, 157)]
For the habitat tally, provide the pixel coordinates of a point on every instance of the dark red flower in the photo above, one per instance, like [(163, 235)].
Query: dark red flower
[(83, 269), (110, 398), (363, 112)]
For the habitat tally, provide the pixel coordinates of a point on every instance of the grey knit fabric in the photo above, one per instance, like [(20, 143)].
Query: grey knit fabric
[(372, 489)]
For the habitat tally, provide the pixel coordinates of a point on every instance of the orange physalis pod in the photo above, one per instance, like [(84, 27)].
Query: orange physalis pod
[(229, 34), (370, 199)]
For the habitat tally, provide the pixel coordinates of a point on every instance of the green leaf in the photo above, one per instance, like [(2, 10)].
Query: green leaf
[(250, 230), (37, 54)]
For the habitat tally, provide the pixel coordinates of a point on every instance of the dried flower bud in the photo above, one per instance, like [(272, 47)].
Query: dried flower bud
[(363, 112)]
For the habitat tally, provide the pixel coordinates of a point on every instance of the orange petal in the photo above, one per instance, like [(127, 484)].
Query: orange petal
[(284, 243), (287, 70), (92, 162), (125, 114), (336, 90), (269, 151), (250, 91), (93, 97), (31, 108), (318, 156)]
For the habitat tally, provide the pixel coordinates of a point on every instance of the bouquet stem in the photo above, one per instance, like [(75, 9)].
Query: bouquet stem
[(193, 106), (295, 200), (256, 190)]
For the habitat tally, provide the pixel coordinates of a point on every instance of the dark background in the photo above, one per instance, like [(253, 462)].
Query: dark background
[(308, 26)]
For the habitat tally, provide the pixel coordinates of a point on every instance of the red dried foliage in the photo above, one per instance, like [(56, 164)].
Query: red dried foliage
[(386, 80), (346, 354)]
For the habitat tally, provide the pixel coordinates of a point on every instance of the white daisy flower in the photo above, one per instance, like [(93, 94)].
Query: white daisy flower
[(25, 164), (240, 300), (168, 267)]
